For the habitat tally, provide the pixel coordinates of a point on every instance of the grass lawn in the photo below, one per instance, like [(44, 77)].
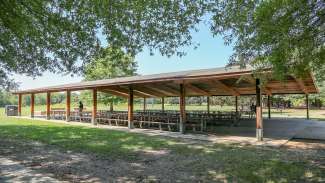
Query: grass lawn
[(185, 161)]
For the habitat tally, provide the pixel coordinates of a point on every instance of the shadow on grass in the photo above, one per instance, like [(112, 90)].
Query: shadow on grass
[(84, 139), (181, 161)]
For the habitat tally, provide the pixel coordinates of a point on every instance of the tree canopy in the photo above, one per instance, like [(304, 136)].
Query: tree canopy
[(110, 63), (286, 35), (63, 35)]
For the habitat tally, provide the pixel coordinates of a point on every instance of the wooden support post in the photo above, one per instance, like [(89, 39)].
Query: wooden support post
[(307, 106), (144, 104), (163, 104), (208, 104), (236, 108), (259, 118), (32, 105), (48, 105), (67, 109), (269, 106), (19, 104), (182, 111), (94, 112), (130, 108), (236, 104)]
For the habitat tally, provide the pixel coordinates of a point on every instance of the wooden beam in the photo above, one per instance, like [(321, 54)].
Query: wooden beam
[(94, 111), (165, 90), (267, 91), (223, 86), (168, 88), (182, 109), (249, 78), (48, 105), (118, 89), (197, 89), (68, 105), (130, 108), (302, 85), (32, 105), (114, 92), (19, 104), (126, 91), (143, 94), (148, 91), (307, 106), (259, 117)]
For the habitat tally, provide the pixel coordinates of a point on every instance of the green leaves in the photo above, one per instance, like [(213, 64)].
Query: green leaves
[(110, 63), (62, 36), (287, 36)]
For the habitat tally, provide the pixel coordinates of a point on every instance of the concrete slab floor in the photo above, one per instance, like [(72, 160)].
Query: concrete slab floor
[(316, 131)]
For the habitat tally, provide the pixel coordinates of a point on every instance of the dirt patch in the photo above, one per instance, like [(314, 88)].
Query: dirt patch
[(306, 144), (70, 166), (310, 148), (163, 165)]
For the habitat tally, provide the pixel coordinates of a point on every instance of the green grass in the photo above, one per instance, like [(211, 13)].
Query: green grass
[(208, 161), (77, 138)]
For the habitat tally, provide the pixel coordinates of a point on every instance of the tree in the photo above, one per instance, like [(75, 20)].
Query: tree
[(56, 35), (110, 63), (286, 35), (62, 36), (7, 99)]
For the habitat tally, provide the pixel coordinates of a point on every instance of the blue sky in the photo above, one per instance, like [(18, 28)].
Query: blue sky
[(211, 53)]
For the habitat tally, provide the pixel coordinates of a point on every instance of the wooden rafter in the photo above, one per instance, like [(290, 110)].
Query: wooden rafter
[(197, 89), (302, 85), (145, 94), (148, 91), (249, 79), (267, 90), (123, 91), (225, 87), (167, 89), (114, 92), (158, 91)]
